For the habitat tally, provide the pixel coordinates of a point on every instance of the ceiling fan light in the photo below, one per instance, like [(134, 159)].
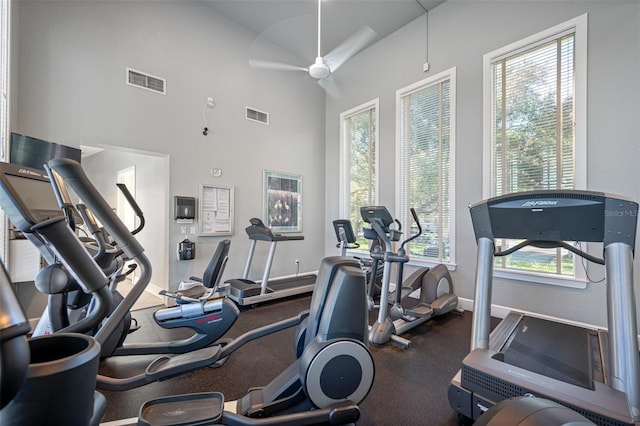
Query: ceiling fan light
[(319, 69)]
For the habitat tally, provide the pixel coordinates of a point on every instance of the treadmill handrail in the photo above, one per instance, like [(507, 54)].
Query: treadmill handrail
[(549, 244)]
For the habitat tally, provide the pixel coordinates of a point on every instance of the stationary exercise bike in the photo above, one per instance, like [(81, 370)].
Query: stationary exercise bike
[(435, 285)]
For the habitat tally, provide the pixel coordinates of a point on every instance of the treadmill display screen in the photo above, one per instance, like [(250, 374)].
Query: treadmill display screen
[(550, 218)]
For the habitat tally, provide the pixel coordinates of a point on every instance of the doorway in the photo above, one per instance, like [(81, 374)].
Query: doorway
[(146, 175)]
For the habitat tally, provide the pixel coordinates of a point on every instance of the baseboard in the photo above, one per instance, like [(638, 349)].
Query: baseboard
[(499, 311)]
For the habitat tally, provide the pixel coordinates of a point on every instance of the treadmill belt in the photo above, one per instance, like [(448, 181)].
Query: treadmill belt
[(555, 350), (291, 282)]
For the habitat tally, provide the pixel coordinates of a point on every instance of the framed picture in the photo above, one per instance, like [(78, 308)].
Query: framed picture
[(282, 201)]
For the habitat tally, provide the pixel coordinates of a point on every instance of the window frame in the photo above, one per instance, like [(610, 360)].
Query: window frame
[(403, 211), (5, 108), (344, 191), (577, 26)]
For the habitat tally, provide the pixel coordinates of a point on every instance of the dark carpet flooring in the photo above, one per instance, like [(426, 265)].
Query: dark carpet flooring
[(410, 386)]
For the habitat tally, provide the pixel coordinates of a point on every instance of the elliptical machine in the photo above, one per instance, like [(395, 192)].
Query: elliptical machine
[(208, 317), (70, 262), (334, 370), (435, 285), (372, 267)]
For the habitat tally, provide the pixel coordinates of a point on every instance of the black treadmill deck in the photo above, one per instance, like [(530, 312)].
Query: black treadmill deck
[(553, 349)]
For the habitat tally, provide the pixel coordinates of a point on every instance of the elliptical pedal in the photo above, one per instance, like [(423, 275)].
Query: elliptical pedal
[(420, 311)]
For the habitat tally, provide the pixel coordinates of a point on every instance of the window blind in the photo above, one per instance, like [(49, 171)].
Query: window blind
[(360, 165), (533, 137), (425, 162)]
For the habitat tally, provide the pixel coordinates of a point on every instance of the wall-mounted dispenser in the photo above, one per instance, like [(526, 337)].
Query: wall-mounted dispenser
[(186, 250), (185, 209)]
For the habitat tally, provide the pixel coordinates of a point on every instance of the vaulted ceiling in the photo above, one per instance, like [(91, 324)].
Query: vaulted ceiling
[(292, 24)]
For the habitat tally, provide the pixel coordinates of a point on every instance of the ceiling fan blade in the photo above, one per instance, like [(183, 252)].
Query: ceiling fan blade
[(348, 48), (330, 85), (274, 66)]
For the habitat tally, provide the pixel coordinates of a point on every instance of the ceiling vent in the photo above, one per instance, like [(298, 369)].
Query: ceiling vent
[(259, 116), (146, 81)]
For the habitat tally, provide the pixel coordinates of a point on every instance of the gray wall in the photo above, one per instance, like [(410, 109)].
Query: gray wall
[(460, 33), (69, 87)]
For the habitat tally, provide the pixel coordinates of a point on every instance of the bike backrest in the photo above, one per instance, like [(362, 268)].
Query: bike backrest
[(215, 268)]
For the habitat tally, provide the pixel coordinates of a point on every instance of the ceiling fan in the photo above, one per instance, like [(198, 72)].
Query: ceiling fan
[(324, 66)]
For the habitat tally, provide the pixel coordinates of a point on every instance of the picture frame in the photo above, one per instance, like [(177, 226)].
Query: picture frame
[(282, 201)]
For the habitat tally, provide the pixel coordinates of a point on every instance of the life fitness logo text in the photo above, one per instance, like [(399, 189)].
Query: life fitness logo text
[(539, 203), (28, 172)]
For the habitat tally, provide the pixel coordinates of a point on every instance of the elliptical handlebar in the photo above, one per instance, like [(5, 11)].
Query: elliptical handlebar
[(134, 205), (380, 219), (62, 196), (417, 221), (74, 176)]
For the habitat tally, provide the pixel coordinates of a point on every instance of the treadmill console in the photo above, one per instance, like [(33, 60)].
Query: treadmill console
[(569, 215)]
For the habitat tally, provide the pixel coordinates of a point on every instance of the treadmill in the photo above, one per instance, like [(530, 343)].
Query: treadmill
[(594, 372), (245, 292)]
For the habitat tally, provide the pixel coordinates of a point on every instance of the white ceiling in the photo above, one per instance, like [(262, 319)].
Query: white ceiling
[(292, 24)]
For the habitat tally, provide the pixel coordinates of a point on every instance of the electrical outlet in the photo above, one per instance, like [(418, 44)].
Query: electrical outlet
[(210, 102), (193, 230), (183, 230)]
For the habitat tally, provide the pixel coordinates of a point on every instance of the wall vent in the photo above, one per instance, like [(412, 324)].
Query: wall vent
[(146, 81), (259, 116)]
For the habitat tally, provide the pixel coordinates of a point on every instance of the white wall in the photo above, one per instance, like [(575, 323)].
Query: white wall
[(69, 87), (460, 33)]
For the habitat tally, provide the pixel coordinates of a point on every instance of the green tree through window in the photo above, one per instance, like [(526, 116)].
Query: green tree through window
[(359, 165), (533, 134)]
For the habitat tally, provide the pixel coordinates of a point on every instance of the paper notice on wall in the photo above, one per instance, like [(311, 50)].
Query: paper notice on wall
[(216, 210)]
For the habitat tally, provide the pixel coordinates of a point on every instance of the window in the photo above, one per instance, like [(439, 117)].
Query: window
[(5, 31), (5, 20), (359, 164), (425, 151), (535, 121)]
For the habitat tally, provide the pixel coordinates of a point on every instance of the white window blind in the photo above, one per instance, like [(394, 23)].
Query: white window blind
[(5, 20), (534, 142), (5, 41), (426, 113), (533, 117), (359, 146)]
